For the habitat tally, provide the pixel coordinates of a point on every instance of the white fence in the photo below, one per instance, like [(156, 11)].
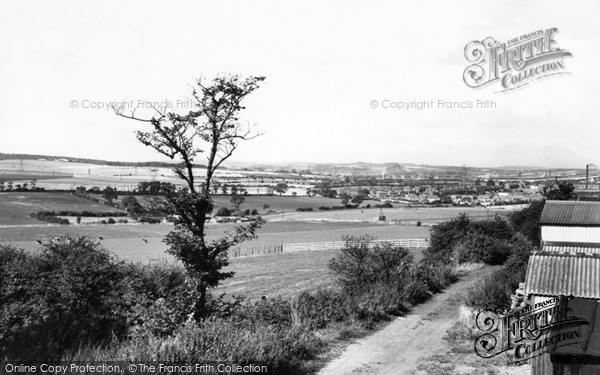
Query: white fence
[(337, 245), (413, 243)]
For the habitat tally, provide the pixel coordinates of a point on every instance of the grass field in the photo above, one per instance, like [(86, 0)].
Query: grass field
[(282, 274), (126, 240), (403, 214), (280, 204), (15, 207)]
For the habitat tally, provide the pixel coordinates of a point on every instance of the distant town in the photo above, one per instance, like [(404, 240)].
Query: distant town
[(404, 184)]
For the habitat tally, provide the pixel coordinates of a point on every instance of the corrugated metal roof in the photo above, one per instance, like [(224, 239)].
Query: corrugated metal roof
[(563, 274), (571, 213), (571, 249)]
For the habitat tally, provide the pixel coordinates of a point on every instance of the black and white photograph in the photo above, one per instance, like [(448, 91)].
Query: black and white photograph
[(300, 187)]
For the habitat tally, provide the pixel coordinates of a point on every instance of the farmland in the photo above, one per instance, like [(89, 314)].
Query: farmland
[(278, 204), (400, 214), (60, 174), (15, 208), (269, 275), (127, 241), (143, 242), (282, 274)]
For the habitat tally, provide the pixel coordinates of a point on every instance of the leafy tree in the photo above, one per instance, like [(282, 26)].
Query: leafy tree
[(223, 211), (109, 194), (446, 199), (237, 200), (345, 197), (212, 129), (132, 206), (216, 186), (324, 189), (281, 188), (311, 192), (563, 192), (358, 198)]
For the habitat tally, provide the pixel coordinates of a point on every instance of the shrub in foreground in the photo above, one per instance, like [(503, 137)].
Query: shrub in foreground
[(66, 296), (75, 293), (284, 350), (494, 291)]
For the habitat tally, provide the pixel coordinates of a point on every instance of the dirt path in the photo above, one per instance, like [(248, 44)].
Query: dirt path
[(396, 349)]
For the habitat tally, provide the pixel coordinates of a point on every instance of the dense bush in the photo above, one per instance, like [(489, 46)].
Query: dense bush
[(494, 291), (527, 221), (324, 208), (274, 311), (379, 280), (435, 276), (477, 247), (160, 298), (223, 211), (445, 236), (82, 213), (67, 295), (304, 209), (282, 351), (74, 293), (465, 240), (149, 220), (361, 262), (132, 206), (319, 308), (50, 218)]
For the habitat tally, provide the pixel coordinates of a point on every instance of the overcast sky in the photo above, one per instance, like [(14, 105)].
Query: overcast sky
[(325, 62)]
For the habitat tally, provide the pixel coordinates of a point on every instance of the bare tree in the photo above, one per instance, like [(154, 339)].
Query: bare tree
[(214, 130)]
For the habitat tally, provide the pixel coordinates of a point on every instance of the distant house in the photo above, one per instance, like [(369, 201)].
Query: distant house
[(568, 268)]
